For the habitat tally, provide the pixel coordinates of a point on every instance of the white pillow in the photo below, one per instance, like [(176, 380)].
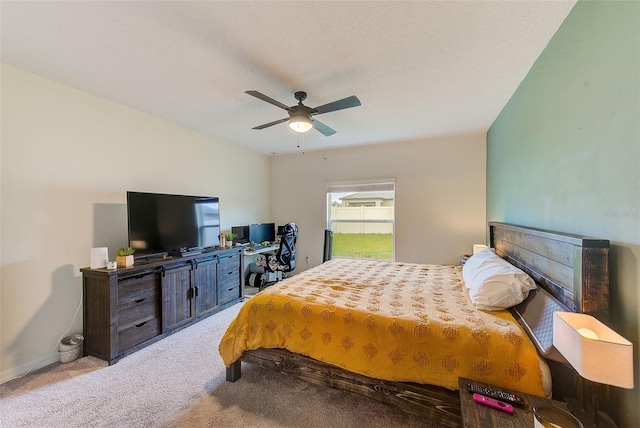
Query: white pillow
[(494, 283)]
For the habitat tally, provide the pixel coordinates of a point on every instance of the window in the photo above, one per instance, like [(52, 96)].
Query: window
[(362, 218)]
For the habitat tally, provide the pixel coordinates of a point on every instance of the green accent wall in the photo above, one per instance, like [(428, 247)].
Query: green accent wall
[(564, 153)]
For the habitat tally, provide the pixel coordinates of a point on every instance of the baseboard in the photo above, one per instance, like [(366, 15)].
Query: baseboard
[(26, 368)]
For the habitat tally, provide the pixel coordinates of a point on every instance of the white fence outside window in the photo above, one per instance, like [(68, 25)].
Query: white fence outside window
[(362, 219)]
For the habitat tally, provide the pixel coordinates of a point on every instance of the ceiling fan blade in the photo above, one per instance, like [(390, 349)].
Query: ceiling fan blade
[(348, 102), (270, 100), (275, 122), (322, 128)]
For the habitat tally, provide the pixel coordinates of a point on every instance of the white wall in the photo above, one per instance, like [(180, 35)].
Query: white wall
[(67, 160), (440, 194)]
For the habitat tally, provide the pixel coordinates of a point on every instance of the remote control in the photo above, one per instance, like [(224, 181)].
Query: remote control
[(493, 393), (488, 401)]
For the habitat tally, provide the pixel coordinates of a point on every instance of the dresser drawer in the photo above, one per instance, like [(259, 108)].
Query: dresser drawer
[(229, 263), (138, 300), (138, 333), (138, 287), (228, 278), (228, 290), (137, 312)]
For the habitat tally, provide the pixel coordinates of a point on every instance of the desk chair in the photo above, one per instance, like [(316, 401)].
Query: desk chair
[(328, 245), (279, 263)]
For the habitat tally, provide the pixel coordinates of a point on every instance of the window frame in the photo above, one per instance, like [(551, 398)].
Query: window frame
[(370, 185)]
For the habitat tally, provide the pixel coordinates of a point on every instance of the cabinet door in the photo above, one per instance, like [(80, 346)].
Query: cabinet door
[(177, 296), (206, 288)]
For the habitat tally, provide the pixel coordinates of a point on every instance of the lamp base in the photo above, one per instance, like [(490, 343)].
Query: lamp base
[(604, 421)]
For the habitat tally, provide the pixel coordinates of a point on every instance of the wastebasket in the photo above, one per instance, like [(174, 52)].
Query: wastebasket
[(70, 348)]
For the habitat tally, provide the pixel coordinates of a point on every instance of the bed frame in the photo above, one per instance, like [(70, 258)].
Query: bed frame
[(573, 269)]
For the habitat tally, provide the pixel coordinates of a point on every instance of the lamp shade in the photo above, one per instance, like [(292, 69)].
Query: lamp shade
[(598, 353), (300, 123)]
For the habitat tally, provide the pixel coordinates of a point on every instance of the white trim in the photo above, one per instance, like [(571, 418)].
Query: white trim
[(374, 184)]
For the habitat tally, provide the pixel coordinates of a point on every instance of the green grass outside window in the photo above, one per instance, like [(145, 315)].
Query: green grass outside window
[(363, 246)]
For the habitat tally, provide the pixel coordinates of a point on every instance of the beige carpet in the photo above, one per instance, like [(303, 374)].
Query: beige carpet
[(180, 382)]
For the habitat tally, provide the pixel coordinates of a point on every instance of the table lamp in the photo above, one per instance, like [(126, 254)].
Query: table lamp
[(596, 352), (478, 247)]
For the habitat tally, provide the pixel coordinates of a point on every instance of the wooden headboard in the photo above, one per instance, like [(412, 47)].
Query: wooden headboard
[(574, 269)]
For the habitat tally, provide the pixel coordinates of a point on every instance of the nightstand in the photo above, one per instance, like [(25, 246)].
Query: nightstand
[(476, 415)]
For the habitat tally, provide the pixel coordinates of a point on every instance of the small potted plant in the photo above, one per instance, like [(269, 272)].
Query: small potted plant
[(229, 237), (124, 257)]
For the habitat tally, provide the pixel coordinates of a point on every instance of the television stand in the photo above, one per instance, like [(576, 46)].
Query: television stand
[(126, 309)]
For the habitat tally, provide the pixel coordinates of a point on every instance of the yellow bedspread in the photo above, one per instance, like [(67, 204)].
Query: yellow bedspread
[(386, 320)]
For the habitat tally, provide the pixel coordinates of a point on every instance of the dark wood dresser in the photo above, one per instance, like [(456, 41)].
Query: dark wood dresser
[(126, 309)]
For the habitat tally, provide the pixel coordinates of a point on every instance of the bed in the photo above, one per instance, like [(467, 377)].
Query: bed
[(415, 302)]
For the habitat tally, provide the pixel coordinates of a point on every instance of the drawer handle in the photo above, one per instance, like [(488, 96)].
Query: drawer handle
[(139, 276), (231, 289), (141, 324), (140, 300)]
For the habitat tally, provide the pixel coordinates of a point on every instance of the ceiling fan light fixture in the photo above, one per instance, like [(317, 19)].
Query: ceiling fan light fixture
[(300, 123)]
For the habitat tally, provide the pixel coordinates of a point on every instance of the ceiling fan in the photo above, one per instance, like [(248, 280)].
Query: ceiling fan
[(300, 119)]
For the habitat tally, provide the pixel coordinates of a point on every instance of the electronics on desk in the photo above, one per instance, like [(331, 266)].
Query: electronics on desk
[(256, 233), (261, 232), (242, 235)]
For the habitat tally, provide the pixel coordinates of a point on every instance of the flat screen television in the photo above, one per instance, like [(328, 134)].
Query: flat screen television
[(159, 223), (260, 232)]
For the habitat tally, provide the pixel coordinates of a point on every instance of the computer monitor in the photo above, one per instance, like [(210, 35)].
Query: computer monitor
[(260, 232), (242, 234)]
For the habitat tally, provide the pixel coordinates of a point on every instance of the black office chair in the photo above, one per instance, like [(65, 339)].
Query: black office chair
[(280, 263), (328, 245)]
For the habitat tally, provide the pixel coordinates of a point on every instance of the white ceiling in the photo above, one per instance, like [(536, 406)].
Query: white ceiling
[(422, 69)]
